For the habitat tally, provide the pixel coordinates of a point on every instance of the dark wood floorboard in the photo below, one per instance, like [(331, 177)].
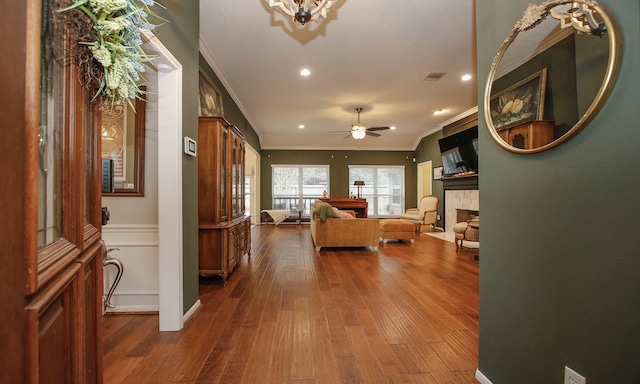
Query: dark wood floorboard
[(405, 314)]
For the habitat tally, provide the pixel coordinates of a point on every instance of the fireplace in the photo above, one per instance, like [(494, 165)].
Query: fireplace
[(464, 215), (456, 200), (460, 194)]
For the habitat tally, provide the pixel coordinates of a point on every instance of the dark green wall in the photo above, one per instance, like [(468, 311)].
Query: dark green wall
[(560, 98), (180, 36), (339, 162), (231, 112), (591, 66), (429, 150), (559, 261)]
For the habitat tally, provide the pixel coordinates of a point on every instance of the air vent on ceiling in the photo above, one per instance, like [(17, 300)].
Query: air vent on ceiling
[(433, 76)]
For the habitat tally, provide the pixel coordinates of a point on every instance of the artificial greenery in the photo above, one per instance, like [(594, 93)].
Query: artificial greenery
[(115, 56)]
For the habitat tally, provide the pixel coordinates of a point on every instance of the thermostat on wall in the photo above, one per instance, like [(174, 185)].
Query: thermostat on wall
[(190, 146)]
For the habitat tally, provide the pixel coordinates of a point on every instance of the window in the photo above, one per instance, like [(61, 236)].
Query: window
[(296, 187), (383, 188)]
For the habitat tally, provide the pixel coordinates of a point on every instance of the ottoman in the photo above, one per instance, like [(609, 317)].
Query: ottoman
[(397, 229)]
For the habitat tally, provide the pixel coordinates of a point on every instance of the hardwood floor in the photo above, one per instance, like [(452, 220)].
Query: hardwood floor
[(406, 314)]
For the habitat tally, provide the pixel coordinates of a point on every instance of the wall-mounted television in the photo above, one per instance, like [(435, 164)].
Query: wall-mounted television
[(460, 152)]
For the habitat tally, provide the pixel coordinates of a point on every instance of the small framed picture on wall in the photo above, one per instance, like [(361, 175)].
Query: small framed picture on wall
[(210, 101), (437, 173)]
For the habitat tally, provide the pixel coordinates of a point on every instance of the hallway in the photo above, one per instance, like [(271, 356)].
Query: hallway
[(407, 314)]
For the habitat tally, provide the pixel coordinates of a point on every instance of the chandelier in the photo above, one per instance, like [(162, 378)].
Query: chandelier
[(303, 10), (581, 17)]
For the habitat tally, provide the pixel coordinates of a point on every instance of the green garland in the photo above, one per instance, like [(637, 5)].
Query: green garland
[(118, 48)]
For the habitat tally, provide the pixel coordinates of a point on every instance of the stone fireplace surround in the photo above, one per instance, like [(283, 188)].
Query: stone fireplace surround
[(459, 199), (459, 193)]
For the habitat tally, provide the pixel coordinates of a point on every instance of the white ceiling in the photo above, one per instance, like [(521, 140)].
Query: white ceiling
[(370, 54)]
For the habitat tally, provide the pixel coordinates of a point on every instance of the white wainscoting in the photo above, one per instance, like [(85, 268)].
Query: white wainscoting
[(138, 252)]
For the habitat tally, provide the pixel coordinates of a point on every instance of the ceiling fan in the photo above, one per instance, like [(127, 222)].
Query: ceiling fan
[(359, 132)]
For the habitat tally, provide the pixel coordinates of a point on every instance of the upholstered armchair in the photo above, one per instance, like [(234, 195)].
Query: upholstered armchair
[(469, 231), (425, 214)]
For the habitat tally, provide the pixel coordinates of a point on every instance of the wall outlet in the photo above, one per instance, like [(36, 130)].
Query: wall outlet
[(437, 217), (572, 377)]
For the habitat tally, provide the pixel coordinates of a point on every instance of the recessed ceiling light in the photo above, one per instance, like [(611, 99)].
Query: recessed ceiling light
[(305, 72), (466, 77), (301, 126), (392, 127), (439, 112)]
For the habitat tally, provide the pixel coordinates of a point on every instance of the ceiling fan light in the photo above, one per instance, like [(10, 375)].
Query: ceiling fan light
[(358, 133)]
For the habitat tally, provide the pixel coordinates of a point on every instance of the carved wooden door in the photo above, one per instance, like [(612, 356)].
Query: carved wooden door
[(51, 253)]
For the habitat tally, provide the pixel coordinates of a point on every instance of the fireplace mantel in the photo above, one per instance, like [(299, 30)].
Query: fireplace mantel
[(458, 183)]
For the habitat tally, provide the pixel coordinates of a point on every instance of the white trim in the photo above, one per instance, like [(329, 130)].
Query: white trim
[(124, 244), (255, 202), (170, 228), (130, 235), (534, 50), (420, 180), (128, 228), (459, 117), (208, 57), (482, 378), (139, 309), (452, 120), (134, 302), (138, 293), (191, 311)]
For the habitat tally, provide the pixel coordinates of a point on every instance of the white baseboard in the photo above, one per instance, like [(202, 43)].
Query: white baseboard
[(134, 309), (482, 378), (134, 302), (191, 311)]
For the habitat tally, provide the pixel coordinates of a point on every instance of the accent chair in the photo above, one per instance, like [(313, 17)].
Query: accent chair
[(425, 214)]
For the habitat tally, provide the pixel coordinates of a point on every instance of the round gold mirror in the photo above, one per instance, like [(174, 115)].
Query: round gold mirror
[(551, 75)]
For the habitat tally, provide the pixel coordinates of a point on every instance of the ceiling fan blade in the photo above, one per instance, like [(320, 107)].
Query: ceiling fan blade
[(377, 128), (348, 136), (373, 134)]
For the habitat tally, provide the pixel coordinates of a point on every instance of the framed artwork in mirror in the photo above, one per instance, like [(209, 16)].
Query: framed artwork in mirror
[(210, 100), (520, 102), (122, 138)]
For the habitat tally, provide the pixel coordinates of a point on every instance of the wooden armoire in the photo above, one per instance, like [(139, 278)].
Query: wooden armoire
[(50, 203), (224, 231)]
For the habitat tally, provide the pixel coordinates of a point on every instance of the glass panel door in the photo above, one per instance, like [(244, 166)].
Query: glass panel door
[(50, 127)]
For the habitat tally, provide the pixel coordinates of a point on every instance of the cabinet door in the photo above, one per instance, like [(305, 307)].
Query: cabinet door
[(224, 174), (519, 136), (237, 177), (211, 206)]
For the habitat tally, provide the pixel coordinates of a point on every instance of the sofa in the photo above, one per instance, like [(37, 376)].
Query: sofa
[(330, 230)]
